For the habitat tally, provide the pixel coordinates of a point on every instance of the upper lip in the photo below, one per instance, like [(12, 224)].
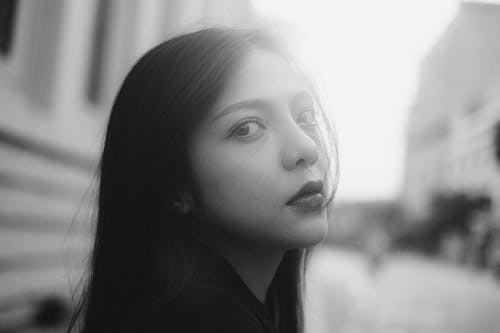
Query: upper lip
[(308, 188)]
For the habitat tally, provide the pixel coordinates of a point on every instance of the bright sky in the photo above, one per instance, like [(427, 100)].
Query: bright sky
[(367, 55)]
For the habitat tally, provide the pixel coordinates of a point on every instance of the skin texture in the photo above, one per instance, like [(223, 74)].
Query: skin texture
[(245, 175)]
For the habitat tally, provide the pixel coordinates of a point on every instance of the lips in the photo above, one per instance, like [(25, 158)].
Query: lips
[(309, 196)]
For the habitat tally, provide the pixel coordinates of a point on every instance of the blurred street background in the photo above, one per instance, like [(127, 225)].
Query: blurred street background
[(413, 87), (407, 293)]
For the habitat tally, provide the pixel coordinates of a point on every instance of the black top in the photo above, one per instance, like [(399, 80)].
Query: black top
[(216, 302)]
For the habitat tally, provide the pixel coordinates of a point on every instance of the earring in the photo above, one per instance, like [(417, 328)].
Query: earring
[(180, 207)]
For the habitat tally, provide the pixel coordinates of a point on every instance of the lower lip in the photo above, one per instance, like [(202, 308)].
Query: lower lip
[(313, 201)]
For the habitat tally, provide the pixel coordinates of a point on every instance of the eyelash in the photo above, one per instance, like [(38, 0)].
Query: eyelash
[(235, 127), (257, 121)]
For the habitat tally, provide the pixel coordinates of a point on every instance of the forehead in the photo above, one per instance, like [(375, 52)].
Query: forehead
[(261, 74)]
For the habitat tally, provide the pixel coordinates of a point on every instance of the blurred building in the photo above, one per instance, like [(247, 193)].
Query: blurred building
[(61, 62), (451, 123)]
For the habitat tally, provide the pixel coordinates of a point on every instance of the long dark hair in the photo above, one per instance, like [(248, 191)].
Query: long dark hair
[(142, 255)]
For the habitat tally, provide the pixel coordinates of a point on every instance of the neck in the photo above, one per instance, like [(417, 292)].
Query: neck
[(256, 269), (256, 265)]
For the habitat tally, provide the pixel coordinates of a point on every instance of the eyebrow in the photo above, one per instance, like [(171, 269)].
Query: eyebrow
[(260, 103), (257, 103)]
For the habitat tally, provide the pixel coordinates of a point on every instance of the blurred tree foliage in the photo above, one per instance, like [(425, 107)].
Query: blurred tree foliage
[(450, 214)]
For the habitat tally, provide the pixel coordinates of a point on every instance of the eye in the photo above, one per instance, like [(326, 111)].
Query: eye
[(307, 118), (246, 129)]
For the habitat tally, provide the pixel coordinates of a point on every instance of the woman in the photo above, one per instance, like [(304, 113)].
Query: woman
[(216, 176)]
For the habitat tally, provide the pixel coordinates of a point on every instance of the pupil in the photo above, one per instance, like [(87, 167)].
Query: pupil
[(243, 130)]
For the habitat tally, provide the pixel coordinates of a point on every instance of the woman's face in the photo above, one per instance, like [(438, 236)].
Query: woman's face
[(253, 152)]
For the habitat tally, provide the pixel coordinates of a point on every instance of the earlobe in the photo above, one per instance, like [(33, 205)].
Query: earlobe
[(184, 203), (180, 207)]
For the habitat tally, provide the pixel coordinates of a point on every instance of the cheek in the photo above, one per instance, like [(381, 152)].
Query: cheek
[(239, 188), (241, 182)]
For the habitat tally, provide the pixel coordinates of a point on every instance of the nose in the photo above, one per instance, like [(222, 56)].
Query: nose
[(299, 149)]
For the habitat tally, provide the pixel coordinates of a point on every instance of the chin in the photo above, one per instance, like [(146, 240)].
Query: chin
[(313, 239), (309, 233)]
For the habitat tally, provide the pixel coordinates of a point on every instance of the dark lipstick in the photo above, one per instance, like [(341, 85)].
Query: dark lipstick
[(309, 196)]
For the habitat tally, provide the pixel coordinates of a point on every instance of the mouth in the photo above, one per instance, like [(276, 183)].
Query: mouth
[(310, 196)]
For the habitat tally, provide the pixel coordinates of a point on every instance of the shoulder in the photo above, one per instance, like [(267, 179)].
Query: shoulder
[(209, 309)]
